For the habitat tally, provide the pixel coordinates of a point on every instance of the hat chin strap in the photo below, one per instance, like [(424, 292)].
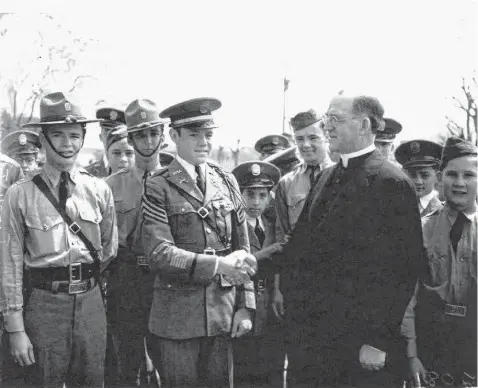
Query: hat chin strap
[(56, 151), (142, 153)]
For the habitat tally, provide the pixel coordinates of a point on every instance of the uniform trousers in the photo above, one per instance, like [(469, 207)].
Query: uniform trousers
[(130, 293), (195, 362), (68, 334)]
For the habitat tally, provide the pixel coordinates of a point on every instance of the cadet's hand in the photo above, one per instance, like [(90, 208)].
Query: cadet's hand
[(21, 348), (371, 358), (415, 367), (236, 266), (241, 323), (277, 303)]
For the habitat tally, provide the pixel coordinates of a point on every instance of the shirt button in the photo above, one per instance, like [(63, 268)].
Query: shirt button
[(168, 286), (44, 227), (462, 259), (337, 181), (183, 210), (208, 230)]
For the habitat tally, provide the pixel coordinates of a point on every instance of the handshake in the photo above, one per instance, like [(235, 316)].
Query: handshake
[(237, 267)]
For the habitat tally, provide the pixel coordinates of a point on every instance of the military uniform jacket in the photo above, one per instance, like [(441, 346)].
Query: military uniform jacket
[(190, 300), (262, 297), (433, 205)]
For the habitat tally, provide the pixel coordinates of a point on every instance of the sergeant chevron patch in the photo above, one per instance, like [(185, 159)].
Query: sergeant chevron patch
[(153, 211)]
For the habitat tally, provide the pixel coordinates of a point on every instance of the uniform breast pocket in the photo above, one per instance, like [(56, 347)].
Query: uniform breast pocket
[(46, 232), (89, 220), (222, 207), (185, 223), (439, 267)]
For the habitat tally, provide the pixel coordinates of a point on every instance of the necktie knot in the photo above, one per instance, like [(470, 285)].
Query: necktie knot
[(201, 183)]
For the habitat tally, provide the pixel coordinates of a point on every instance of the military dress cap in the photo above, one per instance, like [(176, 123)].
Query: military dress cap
[(21, 142), (193, 114), (165, 158), (256, 174), (418, 153), (284, 157), (389, 133), (271, 143), (455, 148), (118, 134), (56, 108), (304, 119), (142, 114), (112, 118)]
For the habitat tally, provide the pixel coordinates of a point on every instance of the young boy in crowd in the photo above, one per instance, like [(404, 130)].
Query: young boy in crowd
[(256, 180), (444, 350)]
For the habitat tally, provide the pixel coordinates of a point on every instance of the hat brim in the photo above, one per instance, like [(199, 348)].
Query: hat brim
[(43, 123), (423, 163), (147, 125)]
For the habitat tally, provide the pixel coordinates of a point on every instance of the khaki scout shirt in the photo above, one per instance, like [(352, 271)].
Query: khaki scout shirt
[(190, 300), (37, 237), (291, 193), (452, 274), (127, 186)]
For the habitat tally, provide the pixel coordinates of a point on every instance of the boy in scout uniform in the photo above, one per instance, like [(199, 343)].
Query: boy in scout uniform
[(421, 159), (270, 145), (23, 146), (252, 353), (444, 317), (110, 118), (128, 311), (384, 140), (196, 242), (61, 226)]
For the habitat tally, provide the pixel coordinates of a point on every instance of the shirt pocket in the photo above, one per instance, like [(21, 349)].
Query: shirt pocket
[(439, 264), (89, 221), (185, 223), (46, 234)]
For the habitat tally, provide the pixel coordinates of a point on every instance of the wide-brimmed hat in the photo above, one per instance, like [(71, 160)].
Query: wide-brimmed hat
[(56, 108), (142, 114)]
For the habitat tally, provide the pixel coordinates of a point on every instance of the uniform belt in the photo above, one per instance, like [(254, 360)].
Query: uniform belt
[(455, 310), (65, 286), (74, 272), (260, 284), (211, 251)]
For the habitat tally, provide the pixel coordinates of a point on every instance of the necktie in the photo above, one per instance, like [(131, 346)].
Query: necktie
[(457, 230), (64, 177), (261, 236), (312, 170), (145, 175), (200, 179)]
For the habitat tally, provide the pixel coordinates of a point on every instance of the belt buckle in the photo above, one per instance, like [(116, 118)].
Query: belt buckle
[(203, 212), (78, 288), (209, 251), (74, 227), (141, 260), (261, 285), (455, 310), (75, 273)]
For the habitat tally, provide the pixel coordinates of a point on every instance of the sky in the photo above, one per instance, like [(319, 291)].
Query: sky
[(410, 54)]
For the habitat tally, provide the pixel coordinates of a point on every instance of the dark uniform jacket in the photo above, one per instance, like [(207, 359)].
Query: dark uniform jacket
[(351, 265), (262, 281), (190, 300)]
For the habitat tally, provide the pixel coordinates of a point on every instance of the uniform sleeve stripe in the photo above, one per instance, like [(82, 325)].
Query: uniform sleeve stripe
[(148, 216), (158, 216), (153, 209), (179, 262)]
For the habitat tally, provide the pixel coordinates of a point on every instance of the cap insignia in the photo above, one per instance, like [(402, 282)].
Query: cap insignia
[(67, 106), (255, 169), (113, 115), (143, 114), (415, 147), (22, 139), (204, 108), (275, 140)]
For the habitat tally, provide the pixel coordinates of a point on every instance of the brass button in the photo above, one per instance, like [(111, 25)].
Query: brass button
[(208, 230), (462, 259), (183, 210), (44, 227), (169, 286), (337, 181)]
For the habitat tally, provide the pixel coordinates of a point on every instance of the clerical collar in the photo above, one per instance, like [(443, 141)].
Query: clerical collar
[(425, 200), (191, 169), (346, 157)]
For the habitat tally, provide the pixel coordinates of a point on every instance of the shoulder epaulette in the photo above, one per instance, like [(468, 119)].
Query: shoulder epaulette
[(161, 172)]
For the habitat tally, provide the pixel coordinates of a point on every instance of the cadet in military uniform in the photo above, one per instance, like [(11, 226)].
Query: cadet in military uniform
[(384, 140), (128, 311), (445, 315), (420, 160), (119, 151), (10, 172), (252, 353), (110, 118), (23, 146), (270, 145), (196, 242), (61, 225)]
